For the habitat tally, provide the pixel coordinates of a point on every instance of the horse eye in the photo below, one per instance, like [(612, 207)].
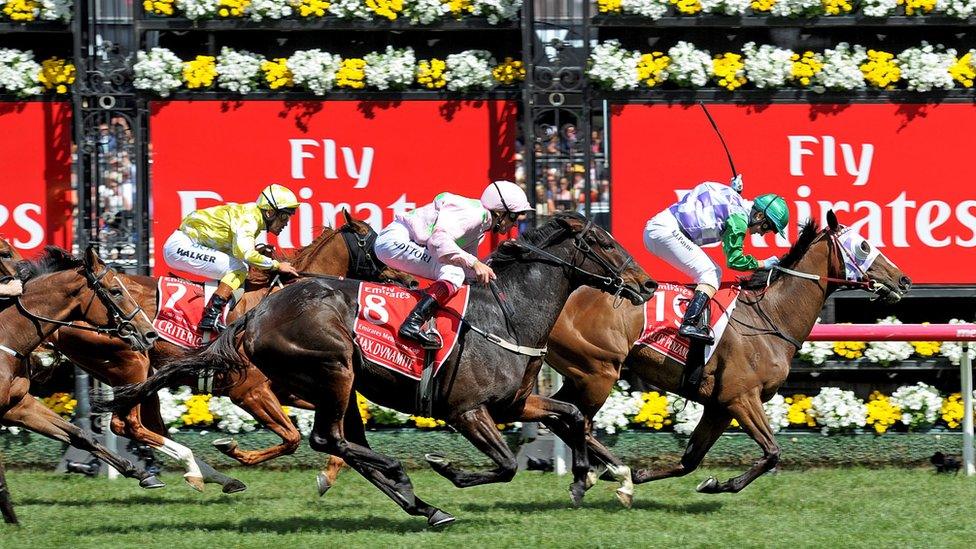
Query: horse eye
[(115, 292), (865, 247)]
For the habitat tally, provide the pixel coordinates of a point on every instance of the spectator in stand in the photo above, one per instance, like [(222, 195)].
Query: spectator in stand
[(569, 141), (552, 147), (543, 205), (596, 142), (564, 200)]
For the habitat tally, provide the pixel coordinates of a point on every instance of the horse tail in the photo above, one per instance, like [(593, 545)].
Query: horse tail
[(220, 357)]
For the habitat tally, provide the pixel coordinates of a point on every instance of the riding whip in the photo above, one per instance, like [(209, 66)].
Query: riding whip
[(736, 178)]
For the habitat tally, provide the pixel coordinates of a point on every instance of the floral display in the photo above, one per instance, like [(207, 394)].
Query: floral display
[(886, 352), (62, 404), (200, 72), (927, 67), (508, 72), (767, 66), (652, 68), (777, 411), (469, 70), (837, 410), (655, 9), (25, 11), (654, 412), (952, 410), (430, 73), (729, 70), (613, 67), (392, 69), (881, 413), (920, 405), (158, 70), (416, 11), (238, 70), (351, 74), (56, 74), (798, 411), (20, 74), (277, 74), (880, 70), (620, 406)]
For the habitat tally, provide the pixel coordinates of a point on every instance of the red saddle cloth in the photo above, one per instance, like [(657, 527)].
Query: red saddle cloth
[(382, 309), (179, 308), (663, 314)]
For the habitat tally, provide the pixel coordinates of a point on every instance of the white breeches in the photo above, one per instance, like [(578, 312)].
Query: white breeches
[(664, 239), (394, 247), (183, 254)]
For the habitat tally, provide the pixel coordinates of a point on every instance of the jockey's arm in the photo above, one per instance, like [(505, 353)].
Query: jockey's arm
[(245, 248), (732, 240), (443, 244)]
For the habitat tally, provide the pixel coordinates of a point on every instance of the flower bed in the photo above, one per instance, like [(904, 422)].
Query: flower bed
[(23, 76), (656, 9)]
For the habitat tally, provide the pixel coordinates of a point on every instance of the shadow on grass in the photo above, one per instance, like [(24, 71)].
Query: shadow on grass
[(694, 508), (286, 525), (162, 499)]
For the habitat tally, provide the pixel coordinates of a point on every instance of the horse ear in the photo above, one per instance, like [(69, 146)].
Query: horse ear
[(832, 221), (91, 258), (512, 247), (347, 217), (574, 223)]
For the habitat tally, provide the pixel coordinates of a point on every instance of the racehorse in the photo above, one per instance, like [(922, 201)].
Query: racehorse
[(595, 337), (342, 252), (58, 290), (303, 338)]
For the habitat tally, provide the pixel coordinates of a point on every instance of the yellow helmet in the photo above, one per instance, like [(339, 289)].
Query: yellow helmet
[(277, 197)]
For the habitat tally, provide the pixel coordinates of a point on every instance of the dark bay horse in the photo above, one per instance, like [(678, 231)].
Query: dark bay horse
[(334, 252), (594, 339), (59, 289), (302, 338)]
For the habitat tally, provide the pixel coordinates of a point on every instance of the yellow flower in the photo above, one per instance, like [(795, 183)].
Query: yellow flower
[(913, 7), (608, 6), (460, 7), (22, 10), (926, 348), (56, 74), (881, 70), (430, 74), (687, 7), (313, 8), (805, 67), (762, 5), (654, 413), (232, 8), (61, 404), (962, 70), (952, 410), (385, 8), (200, 72), (363, 405), (850, 350), (158, 7), (798, 412), (651, 68), (351, 74), (197, 411), (277, 74), (509, 72), (729, 70), (836, 7), (881, 413), (427, 422)]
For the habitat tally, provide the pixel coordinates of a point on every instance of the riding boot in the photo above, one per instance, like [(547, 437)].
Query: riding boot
[(211, 314), (690, 327), (412, 327)]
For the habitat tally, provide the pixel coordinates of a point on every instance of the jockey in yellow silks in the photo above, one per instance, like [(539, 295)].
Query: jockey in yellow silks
[(220, 243)]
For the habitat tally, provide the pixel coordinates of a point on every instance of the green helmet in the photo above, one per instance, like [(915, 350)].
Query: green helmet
[(774, 207)]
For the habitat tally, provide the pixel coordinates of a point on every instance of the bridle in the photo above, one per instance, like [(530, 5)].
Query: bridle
[(363, 263)]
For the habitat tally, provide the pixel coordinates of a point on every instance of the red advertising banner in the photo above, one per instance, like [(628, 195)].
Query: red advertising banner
[(898, 173), (35, 175), (375, 158)]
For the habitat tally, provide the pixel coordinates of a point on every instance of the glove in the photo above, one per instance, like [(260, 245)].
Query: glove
[(769, 262), (736, 183)]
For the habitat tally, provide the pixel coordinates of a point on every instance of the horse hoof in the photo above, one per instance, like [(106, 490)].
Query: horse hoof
[(708, 486), (234, 486), (322, 481), (225, 445), (151, 482), (440, 519), (576, 493), (626, 498), (436, 459), (195, 482)]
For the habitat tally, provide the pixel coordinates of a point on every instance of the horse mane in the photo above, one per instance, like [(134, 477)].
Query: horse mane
[(540, 236), (759, 279), (54, 259)]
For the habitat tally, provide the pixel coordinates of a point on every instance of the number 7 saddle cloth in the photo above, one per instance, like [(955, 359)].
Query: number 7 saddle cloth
[(179, 309)]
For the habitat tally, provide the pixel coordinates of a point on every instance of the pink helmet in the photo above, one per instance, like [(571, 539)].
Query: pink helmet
[(505, 196)]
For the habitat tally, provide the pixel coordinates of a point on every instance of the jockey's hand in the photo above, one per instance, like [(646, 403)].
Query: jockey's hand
[(266, 250), (286, 268), (769, 262), (483, 272)]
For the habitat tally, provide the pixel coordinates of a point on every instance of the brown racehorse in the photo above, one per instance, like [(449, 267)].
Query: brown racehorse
[(59, 289), (337, 253), (303, 338), (594, 338)]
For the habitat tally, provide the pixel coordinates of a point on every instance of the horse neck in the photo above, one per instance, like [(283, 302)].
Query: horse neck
[(794, 303), (326, 255), (62, 299)]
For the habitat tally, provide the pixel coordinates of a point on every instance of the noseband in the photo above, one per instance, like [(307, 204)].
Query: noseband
[(363, 264)]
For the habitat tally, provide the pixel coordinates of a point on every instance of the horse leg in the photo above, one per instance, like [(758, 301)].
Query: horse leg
[(569, 425), (715, 419), (6, 506), (259, 401), (131, 426), (326, 478), (748, 410), (480, 429), (31, 414)]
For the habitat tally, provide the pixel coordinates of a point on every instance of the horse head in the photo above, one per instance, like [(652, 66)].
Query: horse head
[(864, 264), (363, 263), (119, 309)]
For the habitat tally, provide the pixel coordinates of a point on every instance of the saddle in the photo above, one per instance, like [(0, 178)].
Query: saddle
[(179, 308)]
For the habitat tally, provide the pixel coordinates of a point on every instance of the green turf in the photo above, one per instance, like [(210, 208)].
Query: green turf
[(891, 508)]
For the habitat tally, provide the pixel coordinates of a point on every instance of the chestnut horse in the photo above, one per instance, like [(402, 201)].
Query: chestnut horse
[(346, 251), (58, 290), (303, 338)]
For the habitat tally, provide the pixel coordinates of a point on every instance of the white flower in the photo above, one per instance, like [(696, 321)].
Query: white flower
[(314, 69), (920, 404), (837, 410), (655, 9), (796, 8), (777, 412), (878, 8), (393, 69), (350, 9), (230, 417), (172, 406), (956, 8), (690, 67), (613, 67), (953, 349), (469, 70), (927, 67), (424, 12), (198, 9), (238, 70), (886, 352), (496, 10), (841, 69), (686, 414), (19, 72), (618, 410), (158, 70), (53, 10), (816, 352), (767, 66), (304, 420), (259, 10), (727, 7)]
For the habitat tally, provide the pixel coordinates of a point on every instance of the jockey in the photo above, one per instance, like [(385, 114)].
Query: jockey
[(710, 213), (439, 242), (219, 243)]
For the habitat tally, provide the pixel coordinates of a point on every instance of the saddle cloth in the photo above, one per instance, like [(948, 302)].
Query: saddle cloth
[(382, 309), (179, 308), (663, 314)]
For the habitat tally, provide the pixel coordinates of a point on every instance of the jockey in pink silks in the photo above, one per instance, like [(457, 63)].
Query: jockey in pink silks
[(439, 241)]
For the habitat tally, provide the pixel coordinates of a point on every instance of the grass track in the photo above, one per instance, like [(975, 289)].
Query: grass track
[(818, 508)]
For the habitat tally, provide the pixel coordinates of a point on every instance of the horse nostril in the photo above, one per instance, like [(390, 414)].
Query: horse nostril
[(905, 283), (152, 336), (414, 284), (650, 285)]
